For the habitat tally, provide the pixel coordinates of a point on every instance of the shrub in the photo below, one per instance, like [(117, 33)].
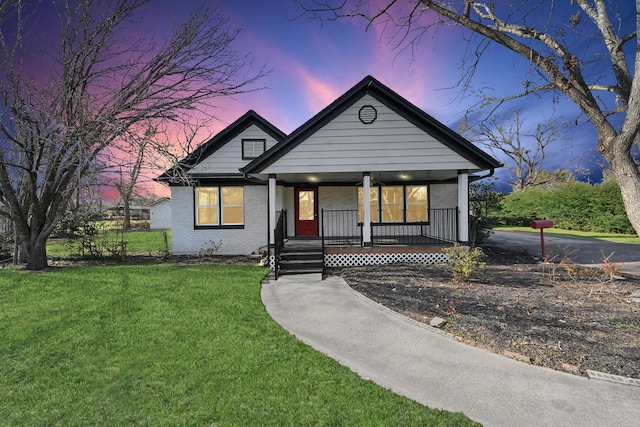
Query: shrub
[(521, 207), (485, 204), (140, 225), (95, 241), (464, 262), (572, 205), (72, 225), (210, 248)]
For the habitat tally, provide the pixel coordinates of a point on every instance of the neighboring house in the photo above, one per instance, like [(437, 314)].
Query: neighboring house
[(136, 212), (374, 176), (160, 214)]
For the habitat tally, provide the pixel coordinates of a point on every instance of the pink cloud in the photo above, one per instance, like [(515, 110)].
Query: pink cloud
[(318, 92), (306, 77)]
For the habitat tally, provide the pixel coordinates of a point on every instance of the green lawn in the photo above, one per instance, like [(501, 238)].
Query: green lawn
[(143, 242), (171, 345), (612, 237)]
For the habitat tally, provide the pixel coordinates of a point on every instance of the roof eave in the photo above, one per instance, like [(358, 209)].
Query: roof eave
[(219, 140)]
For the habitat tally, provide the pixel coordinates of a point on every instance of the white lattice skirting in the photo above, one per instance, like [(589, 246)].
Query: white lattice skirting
[(352, 260)]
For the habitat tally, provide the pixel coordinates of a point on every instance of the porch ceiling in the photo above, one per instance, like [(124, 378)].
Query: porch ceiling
[(376, 177)]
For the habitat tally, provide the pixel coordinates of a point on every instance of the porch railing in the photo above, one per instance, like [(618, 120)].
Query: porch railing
[(341, 227), (400, 234), (444, 224), (280, 234)]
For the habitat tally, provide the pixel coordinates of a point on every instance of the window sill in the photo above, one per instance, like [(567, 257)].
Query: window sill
[(219, 227)]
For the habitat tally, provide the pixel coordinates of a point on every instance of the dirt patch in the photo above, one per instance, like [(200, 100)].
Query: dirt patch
[(557, 316)]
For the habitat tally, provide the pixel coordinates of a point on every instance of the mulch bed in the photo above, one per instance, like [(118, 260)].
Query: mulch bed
[(554, 315)]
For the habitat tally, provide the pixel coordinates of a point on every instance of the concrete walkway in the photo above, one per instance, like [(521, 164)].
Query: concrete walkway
[(421, 363)]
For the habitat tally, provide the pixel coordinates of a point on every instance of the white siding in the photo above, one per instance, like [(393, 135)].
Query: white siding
[(390, 143), (228, 159), (160, 214), (247, 241)]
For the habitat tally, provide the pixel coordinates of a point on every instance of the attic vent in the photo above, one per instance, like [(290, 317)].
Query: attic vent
[(367, 114)]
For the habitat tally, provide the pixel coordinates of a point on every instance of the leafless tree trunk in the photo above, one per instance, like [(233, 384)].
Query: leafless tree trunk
[(103, 82), (601, 77), (129, 154)]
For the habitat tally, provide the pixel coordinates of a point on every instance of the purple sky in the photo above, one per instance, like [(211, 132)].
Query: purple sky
[(313, 63)]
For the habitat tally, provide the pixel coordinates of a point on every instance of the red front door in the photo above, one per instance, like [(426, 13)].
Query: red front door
[(306, 211)]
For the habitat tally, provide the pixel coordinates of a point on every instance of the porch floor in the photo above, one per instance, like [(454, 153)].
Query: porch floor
[(315, 243), (303, 244)]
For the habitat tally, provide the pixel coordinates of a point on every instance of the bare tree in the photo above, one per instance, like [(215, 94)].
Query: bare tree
[(525, 150), (185, 151), (600, 77), (128, 157), (103, 82)]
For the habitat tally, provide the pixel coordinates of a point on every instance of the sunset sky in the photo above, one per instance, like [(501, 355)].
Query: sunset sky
[(312, 63)]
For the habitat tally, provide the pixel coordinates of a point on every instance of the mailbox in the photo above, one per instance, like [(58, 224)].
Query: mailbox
[(542, 223)]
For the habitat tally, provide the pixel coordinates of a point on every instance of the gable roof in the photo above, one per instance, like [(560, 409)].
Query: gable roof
[(206, 149), (391, 99), (158, 201)]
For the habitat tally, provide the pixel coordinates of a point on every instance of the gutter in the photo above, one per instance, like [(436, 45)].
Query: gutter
[(477, 178)]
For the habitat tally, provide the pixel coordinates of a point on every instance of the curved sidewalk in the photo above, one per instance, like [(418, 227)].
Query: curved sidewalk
[(425, 365)]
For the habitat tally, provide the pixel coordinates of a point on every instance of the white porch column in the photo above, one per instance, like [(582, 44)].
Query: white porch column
[(463, 206), (366, 209), (272, 209)]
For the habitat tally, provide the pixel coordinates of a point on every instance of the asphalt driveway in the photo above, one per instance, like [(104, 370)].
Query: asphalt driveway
[(579, 250)]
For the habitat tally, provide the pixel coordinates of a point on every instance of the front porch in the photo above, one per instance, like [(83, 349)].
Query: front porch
[(299, 255), (357, 213), (344, 228), (341, 244)]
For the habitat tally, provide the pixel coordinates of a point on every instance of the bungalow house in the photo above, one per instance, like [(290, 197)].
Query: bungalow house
[(369, 179)]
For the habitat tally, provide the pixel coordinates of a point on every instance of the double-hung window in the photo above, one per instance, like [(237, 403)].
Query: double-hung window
[(253, 148), (396, 203), (219, 206)]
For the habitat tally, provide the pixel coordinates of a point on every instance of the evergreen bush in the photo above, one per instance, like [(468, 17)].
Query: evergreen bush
[(572, 205)]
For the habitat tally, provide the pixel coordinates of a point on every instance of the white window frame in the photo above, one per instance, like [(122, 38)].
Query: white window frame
[(252, 143)]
